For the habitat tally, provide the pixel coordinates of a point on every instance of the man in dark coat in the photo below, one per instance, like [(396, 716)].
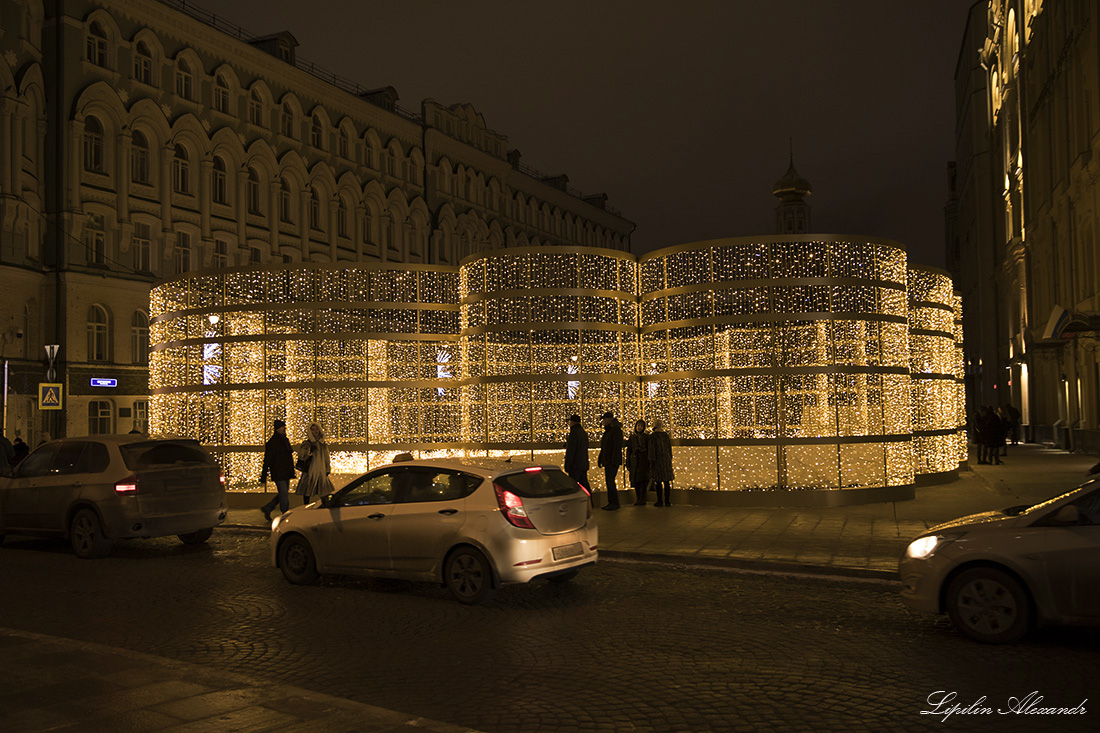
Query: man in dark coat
[(21, 450), (576, 452), (611, 457), (279, 462)]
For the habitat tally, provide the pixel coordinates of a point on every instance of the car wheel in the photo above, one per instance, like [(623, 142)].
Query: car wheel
[(197, 537), (468, 576), (86, 535), (297, 561), (563, 577), (989, 605)]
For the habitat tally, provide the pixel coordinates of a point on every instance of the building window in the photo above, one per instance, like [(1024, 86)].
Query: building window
[(316, 134), (343, 144), (284, 202), (221, 254), (181, 171), (255, 256), (184, 79), (139, 159), (139, 337), (100, 418), (218, 187), (95, 239), (141, 416), (143, 247), (288, 120), (255, 108), (95, 45), (253, 191), (314, 210), (98, 333), (391, 162), (183, 253), (221, 95), (93, 145), (342, 219), (143, 64)]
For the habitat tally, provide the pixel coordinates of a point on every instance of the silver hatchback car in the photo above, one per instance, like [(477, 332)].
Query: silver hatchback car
[(102, 488), (468, 523)]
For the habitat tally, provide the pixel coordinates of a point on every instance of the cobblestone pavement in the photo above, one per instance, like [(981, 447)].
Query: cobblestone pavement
[(627, 646)]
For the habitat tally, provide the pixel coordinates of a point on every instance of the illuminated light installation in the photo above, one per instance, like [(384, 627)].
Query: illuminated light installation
[(787, 369), (936, 373)]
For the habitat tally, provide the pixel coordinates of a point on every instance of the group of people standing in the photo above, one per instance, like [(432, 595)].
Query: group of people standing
[(648, 459), (281, 460), (11, 453), (993, 427)]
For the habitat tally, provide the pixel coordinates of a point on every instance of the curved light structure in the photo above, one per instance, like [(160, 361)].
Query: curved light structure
[(796, 369)]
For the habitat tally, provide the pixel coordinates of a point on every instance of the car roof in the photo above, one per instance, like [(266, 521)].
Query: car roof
[(484, 466), (123, 439)]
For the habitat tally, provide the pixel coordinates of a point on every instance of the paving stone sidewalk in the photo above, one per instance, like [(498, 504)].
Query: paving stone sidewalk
[(56, 684), (864, 540)]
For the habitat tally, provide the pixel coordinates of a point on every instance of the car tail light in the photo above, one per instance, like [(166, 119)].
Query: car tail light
[(586, 490), (127, 486), (221, 477), (511, 506), (532, 469)]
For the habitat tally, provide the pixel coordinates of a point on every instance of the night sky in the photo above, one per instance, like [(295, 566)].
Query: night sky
[(680, 112)]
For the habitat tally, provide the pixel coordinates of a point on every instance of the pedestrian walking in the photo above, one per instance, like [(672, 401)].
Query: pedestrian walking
[(20, 449), (576, 453), (7, 451), (999, 427), (279, 463), (637, 462), (611, 457), (660, 463), (982, 434), (314, 464), (1014, 416)]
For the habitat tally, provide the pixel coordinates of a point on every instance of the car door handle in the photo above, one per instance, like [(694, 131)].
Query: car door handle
[(448, 511), (77, 484), (376, 516)]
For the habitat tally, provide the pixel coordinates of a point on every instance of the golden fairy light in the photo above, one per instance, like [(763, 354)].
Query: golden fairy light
[(783, 363)]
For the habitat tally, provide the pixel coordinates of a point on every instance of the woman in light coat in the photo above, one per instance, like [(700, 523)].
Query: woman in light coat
[(314, 482), (660, 463)]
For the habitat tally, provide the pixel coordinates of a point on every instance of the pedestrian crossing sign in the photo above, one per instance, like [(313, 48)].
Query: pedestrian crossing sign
[(49, 396)]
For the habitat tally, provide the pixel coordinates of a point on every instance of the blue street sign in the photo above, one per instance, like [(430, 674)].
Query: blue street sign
[(101, 382)]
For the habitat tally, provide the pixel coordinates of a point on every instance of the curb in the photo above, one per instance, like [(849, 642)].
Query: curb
[(392, 717), (758, 566)]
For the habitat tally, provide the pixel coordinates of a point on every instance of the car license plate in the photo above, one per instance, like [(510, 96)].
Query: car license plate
[(566, 551)]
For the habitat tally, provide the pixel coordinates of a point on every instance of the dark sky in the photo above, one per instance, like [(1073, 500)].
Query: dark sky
[(680, 111)]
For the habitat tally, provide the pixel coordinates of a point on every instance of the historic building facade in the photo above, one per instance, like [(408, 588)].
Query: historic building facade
[(1022, 217), (144, 139)]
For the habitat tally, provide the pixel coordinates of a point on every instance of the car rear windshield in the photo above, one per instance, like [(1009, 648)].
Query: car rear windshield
[(538, 484), (165, 453)]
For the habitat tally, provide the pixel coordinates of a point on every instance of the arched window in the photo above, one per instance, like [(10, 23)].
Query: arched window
[(93, 145), (139, 158), (143, 64), (288, 120), (255, 108), (343, 144), (95, 45), (314, 210), (139, 337), (342, 218), (218, 188), (98, 334), (221, 94), (285, 210), (391, 162), (101, 417), (95, 239), (253, 191), (181, 171), (317, 133), (184, 79), (368, 154)]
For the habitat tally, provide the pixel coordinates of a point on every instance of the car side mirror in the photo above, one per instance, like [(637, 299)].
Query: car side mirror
[(1068, 514), (6, 471), (327, 502)]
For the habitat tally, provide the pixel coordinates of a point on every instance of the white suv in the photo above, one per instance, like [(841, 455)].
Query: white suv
[(472, 524)]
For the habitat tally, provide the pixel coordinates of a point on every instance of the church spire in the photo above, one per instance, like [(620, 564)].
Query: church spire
[(792, 215)]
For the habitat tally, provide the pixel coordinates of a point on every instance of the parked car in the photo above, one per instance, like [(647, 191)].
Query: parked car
[(98, 489), (470, 524), (999, 573)]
